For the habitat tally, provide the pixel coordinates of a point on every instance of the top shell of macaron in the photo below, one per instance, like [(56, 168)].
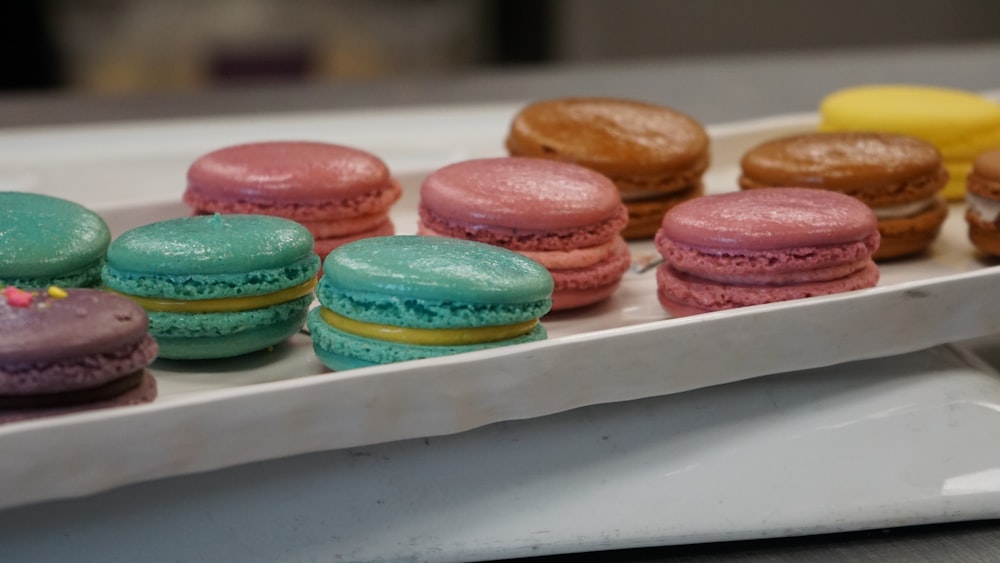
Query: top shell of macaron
[(211, 244), (769, 219), (45, 236), (520, 193), (83, 323), (303, 171), (841, 160), (944, 116), (437, 269), (611, 135)]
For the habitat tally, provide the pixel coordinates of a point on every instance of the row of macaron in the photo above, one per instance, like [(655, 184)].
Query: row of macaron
[(205, 287), (903, 150), (565, 223)]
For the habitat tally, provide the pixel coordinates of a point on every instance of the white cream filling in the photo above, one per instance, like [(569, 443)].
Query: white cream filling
[(904, 209), (987, 210)]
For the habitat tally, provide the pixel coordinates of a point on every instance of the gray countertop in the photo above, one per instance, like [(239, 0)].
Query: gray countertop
[(714, 90)]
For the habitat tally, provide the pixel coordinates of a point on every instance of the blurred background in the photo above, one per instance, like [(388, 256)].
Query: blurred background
[(125, 46)]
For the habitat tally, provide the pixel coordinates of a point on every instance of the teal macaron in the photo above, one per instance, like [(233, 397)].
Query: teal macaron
[(397, 298), (46, 241), (216, 286)]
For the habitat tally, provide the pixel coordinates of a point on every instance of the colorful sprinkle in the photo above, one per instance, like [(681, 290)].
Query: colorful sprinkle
[(57, 292), (16, 297)]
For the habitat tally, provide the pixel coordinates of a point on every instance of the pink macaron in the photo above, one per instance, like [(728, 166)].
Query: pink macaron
[(566, 217), (761, 246), (339, 193)]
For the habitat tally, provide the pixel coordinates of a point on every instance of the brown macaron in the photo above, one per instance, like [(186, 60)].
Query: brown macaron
[(900, 177), (982, 197), (655, 155)]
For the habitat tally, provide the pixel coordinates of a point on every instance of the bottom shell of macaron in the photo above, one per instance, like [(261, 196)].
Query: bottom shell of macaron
[(682, 295), (203, 336), (340, 350), (133, 389)]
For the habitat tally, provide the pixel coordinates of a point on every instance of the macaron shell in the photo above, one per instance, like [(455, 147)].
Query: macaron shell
[(612, 136), (877, 168), (86, 322), (49, 237), (289, 171), (520, 193), (77, 373), (145, 392), (769, 218), (783, 265), (233, 339), (961, 124), (378, 201), (210, 245), (699, 294), (436, 269), (985, 177)]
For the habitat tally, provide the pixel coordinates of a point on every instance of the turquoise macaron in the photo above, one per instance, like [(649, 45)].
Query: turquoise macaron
[(216, 286), (397, 298), (47, 241)]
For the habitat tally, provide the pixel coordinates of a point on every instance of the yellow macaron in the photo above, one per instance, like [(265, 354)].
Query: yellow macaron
[(960, 124)]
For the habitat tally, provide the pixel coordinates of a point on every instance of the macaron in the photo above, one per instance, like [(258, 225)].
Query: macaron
[(392, 299), (900, 177), (566, 217), (983, 203), (69, 350), (46, 240), (218, 285), (960, 124), (761, 246), (339, 193), (656, 155)]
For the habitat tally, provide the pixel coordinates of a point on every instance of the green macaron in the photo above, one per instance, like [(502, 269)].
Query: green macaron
[(216, 285), (398, 298), (46, 240)]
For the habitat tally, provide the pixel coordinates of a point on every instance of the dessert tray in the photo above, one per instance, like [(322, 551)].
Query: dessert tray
[(283, 402)]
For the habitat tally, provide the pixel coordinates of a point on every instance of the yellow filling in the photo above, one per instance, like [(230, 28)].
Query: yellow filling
[(225, 304), (427, 336)]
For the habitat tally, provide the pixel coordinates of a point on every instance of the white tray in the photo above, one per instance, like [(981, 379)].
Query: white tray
[(269, 405)]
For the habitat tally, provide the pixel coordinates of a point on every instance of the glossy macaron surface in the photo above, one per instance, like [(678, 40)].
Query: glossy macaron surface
[(520, 193), (301, 171), (211, 256), (841, 160), (47, 237), (608, 134), (437, 269), (769, 218)]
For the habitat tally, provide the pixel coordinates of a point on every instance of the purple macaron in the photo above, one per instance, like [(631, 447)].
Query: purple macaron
[(69, 350)]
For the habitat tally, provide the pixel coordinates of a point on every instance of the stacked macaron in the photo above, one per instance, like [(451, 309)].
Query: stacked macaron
[(216, 286), (900, 177), (339, 193), (961, 124), (392, 299), (567, 217), (761, 246), (68, 350), (983, 203), (654, 154), (46, 240)]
